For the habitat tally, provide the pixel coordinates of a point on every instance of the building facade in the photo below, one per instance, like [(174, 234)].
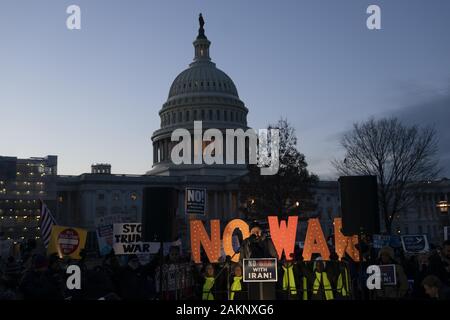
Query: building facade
[(422, 215), (23, 183)]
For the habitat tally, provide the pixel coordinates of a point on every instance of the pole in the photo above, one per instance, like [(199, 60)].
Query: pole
[(361, 261), (161, 264)]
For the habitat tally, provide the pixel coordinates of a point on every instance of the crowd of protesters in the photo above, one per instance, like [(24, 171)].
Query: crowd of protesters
[(37, 276)]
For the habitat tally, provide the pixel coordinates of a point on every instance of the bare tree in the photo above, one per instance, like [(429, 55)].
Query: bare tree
[(397, 154), (288, 191)]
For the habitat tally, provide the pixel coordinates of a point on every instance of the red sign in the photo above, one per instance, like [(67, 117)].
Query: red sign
[(68, 241)]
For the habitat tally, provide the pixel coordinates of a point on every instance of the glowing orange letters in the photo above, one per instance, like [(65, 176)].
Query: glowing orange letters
[(344, 244), (315, 241), (283, 237)]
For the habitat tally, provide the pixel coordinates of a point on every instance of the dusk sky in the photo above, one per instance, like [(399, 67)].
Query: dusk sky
[(93, 95)]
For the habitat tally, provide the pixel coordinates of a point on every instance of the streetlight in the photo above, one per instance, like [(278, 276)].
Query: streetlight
[(443, 206)]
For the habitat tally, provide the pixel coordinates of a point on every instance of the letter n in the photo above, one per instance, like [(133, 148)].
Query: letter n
[(199, 237)]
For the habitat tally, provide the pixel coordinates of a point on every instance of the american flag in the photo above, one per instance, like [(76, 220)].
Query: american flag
[(47, 221)]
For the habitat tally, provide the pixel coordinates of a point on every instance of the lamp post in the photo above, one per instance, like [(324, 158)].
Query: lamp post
[(443, 207)]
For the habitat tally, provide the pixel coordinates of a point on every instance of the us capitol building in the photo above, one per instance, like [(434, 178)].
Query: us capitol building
[(201, 92)]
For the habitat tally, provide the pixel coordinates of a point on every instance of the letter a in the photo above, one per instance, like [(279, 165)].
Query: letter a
[(315, 241), (74, 20), (74, 280), (374, 279), (374, 20)]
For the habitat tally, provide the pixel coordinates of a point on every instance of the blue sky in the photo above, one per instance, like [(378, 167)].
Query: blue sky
[(93, 95)]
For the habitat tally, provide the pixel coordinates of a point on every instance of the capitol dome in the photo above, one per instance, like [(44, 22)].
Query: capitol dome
[(202, 78), (202, 92)]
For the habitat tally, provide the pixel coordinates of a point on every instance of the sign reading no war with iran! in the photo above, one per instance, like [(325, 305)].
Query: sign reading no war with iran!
[(195, 200), (260, 270)]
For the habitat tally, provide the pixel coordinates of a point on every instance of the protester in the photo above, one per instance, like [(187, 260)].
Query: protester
[(259, 246), (343, 282), (208, 287), (238, 288), (290, 284), (398, 291), (37, 284), (322, 280), (132, 281), (435, 289)]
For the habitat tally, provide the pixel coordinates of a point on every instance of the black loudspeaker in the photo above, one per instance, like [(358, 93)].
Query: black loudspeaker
[(359, 205), (159, 207)]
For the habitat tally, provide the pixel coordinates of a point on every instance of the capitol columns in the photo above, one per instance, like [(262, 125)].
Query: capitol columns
[(216, 204), (230, 204)]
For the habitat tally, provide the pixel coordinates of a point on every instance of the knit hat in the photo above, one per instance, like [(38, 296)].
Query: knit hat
[(254, 224), (319, 259), (386, 250)]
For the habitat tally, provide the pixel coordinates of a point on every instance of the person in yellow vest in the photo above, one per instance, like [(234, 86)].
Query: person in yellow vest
[(343, 282), (289, 283), (319, 281), (238, 288), (208, 287)]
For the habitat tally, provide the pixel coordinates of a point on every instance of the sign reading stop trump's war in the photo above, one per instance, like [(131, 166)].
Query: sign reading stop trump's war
[(127, 239), (67, 241)]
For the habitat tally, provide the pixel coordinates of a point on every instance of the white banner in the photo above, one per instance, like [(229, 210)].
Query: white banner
[(128, 240)]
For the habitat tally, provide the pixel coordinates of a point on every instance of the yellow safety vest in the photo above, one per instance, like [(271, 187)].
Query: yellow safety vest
[(326, 285), (235, 286), (289, 280), (305, 288), (207, 294), (341, 288)]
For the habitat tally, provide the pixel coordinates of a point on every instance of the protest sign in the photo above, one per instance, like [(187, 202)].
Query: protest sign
[(128, 240), (176, 276), (67, 241), (415, 243), (260, 270), (380, 241), (104, 229), (195, 200), (388, 274)]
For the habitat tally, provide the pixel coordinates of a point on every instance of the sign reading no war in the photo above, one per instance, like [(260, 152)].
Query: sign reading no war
[(128, 240), (195, 200)]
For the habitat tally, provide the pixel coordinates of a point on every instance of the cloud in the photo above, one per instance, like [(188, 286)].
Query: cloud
[(431, 109)]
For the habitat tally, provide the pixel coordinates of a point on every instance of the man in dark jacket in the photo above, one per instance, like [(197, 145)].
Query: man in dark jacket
[(259, 246), (37, 283), (435, 289)]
